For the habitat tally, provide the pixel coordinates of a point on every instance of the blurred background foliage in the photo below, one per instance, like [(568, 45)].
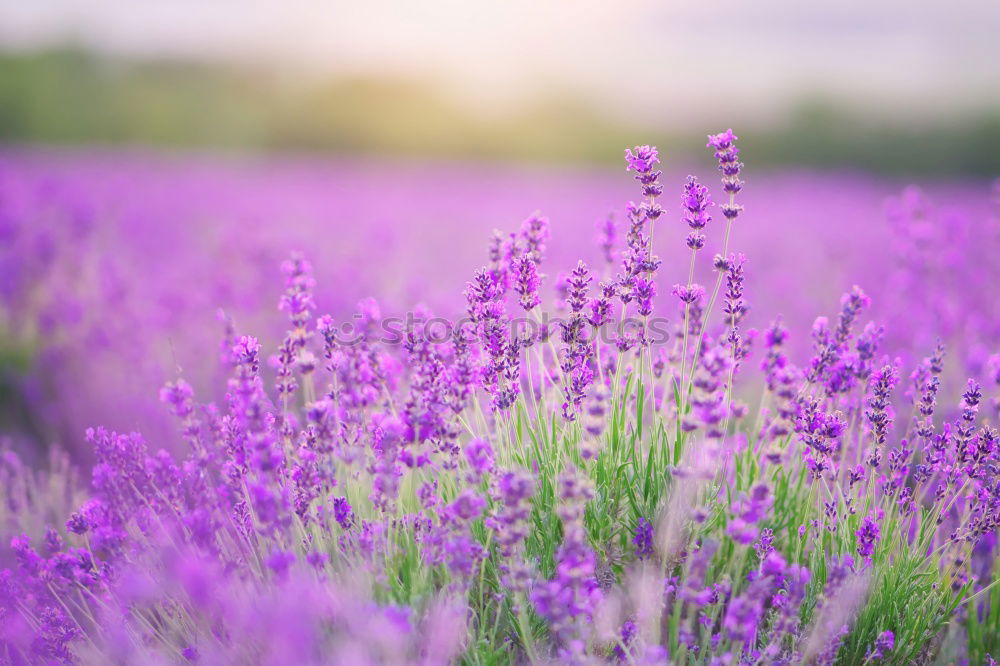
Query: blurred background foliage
[(72, 96)]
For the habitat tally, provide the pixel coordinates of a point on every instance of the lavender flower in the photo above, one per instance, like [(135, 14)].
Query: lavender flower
[(879, 413), (868, 535), (500, 371), (645, 291), (688, 294), (342, 512), (533, 236), (764, 546), (600, 307), (696, 202), (298, 301), (569, 599), (638, 258), (577, 352), (526, 281), (728, 155), (607, 238), (881, 647), (643, 539), (513, 491), (642, 160), (831, 346), (628, 633), (479, 455)]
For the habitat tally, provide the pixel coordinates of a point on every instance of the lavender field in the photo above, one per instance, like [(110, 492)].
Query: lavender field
[(296, 410), (116, 264)]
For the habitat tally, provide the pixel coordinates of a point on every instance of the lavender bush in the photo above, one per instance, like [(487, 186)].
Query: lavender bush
[(633, 471)]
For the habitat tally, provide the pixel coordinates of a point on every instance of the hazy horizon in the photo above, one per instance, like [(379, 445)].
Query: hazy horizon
[(638, 61)]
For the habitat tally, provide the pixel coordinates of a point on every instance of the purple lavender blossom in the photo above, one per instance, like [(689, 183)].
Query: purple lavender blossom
[(512, 492), (642, 160), (728, 155), (298, 301), (832, 345), (628, 632), (479, 455), (882, 646), (643, 539), (600, 307), (688, 294), (526, 281), (607, 238), (342, 512), (879, 413), (734, 305), (645, 291), (765, 545), (696, 202), (533, 236), (569, 599), (868, 535), (576, 355), (500, 371)]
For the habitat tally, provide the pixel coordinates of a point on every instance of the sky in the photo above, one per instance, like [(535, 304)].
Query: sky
[(639, 59)]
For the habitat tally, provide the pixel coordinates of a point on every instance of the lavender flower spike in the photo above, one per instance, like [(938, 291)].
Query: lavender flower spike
[(642, 159), (526, 281), (728, 155), (882, 647), (696, 202), (868, 534)]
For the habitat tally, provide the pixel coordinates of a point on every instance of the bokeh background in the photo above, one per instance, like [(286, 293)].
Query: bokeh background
[(160, 159), (892, 86)]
